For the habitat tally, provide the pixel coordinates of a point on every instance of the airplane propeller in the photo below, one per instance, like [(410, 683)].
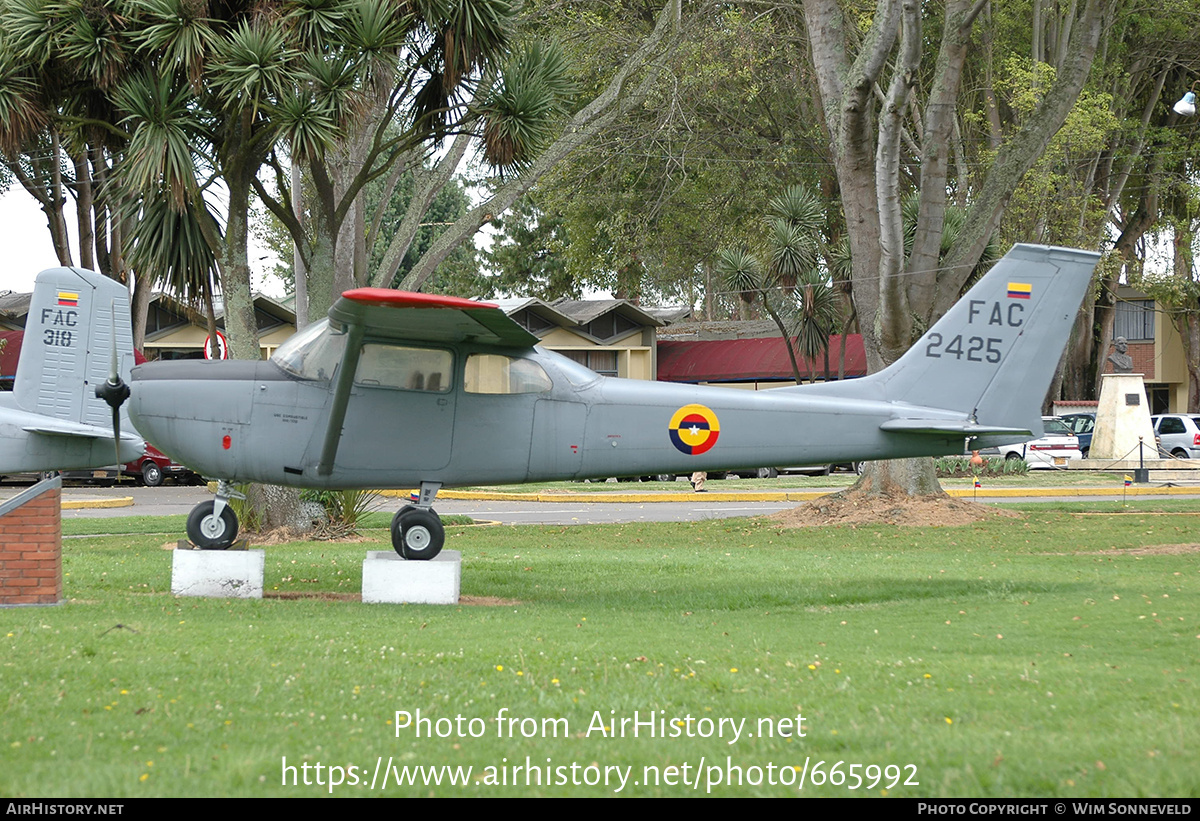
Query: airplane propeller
[(114, 391)]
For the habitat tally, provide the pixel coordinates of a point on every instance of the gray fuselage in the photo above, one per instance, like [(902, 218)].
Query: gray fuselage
[(253, 421)]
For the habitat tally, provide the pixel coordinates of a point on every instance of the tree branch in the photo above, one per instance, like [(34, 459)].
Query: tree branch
[(581, 128)]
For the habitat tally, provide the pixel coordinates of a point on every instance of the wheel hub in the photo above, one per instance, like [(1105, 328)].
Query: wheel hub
[(418, 537), (213, 527)]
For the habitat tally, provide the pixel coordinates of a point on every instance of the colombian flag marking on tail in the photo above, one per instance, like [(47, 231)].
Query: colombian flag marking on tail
[(1020, 290), (68, 298), (694, 429)]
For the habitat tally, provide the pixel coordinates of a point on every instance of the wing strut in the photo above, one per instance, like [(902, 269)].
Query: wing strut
[(341, 398)]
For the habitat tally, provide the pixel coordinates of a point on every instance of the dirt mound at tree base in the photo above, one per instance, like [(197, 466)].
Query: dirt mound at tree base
[(858, 508)]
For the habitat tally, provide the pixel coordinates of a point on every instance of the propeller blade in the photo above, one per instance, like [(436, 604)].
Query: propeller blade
[(117, 443), (114, 391)]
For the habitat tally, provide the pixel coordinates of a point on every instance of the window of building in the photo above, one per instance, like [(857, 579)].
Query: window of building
[(609, 326), (1134, 319), (532, 322), (602, 362)]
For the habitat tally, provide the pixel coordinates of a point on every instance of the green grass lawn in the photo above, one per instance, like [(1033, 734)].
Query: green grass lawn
[(1034, 657)]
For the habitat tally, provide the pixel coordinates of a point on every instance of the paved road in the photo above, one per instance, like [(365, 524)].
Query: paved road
[(167, 500)]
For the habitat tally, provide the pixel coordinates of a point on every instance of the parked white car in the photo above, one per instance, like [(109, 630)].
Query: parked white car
[(1178, 434), (1057, 446)]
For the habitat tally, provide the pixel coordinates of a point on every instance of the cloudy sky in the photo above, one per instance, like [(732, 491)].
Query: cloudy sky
[(26, 248), (24, 241)]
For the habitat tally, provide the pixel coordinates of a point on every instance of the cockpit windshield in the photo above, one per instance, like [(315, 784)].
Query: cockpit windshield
[(313, 353)]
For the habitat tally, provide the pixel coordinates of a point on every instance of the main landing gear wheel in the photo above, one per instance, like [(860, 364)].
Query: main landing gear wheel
[(209, 532), (417, 534)]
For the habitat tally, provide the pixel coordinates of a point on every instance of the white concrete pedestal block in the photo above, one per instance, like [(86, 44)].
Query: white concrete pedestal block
[(390, 579), (1122, 416), (218, 574)]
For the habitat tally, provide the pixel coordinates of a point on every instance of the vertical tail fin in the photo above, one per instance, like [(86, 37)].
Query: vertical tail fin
[(990, 360), (68, 344)]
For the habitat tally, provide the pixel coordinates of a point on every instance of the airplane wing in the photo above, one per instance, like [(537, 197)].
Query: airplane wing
[(429, 318)]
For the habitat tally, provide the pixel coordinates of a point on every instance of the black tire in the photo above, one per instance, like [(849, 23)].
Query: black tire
[(1179, 453), (209, 532), (417, 535), (767, 473), (663, 477), (152, 475), (857, 467), (1012, 456), (1085, 452)]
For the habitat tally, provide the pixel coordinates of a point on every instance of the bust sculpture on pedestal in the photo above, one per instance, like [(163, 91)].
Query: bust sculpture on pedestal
[(1121, 361)]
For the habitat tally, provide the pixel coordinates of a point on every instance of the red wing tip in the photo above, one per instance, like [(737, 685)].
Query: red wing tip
[(388, 298)]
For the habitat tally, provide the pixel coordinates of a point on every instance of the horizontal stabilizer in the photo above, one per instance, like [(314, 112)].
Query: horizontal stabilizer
[(51, 427), (937, 427)]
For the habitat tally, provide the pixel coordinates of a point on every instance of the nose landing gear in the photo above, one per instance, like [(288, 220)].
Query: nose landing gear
[(213, 525)]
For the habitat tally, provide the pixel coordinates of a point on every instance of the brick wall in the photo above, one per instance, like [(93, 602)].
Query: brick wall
[(31, 546)]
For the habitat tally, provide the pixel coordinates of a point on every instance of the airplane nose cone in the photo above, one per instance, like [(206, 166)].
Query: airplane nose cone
[(193, 411)]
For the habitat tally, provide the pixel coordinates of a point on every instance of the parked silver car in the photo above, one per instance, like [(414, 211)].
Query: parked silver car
[(1057, 446), (1178, 434)]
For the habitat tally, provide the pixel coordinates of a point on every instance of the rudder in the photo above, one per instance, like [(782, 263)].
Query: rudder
[(67, 349)]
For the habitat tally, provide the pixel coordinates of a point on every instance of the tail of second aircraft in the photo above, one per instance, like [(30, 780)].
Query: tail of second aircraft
[(984, 368), (68, 346)]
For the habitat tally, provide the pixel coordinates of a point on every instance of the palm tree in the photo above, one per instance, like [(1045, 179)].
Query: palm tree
[(169, 247), (788, 282)]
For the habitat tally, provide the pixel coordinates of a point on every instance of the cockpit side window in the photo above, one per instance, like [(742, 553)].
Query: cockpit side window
[(414, 369), (497, 374), (314, 353)]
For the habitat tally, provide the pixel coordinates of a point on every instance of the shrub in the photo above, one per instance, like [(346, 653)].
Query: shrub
[(952, 467), (342, 511)]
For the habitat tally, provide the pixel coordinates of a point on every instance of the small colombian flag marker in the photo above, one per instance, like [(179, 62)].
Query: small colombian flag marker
[(1128, 480), (1020, 290), (977, 483)]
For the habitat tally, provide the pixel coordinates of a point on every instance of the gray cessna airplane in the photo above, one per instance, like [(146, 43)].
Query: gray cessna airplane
[(403, 389), (53, 418)]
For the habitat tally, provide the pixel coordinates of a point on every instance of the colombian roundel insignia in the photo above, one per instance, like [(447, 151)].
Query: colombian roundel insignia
[(694, 429)]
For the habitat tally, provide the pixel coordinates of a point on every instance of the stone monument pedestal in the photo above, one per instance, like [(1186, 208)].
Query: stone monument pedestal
[(218, 574), (390, 579), (1123, 428)]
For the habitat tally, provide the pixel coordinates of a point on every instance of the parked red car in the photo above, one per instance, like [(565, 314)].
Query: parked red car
[(154, 466)]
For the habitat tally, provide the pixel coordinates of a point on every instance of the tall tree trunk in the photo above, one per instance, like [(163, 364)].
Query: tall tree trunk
[(58, 226), (139, 306), (83, 211), (240, 325), (299, 270), (888, 289)]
